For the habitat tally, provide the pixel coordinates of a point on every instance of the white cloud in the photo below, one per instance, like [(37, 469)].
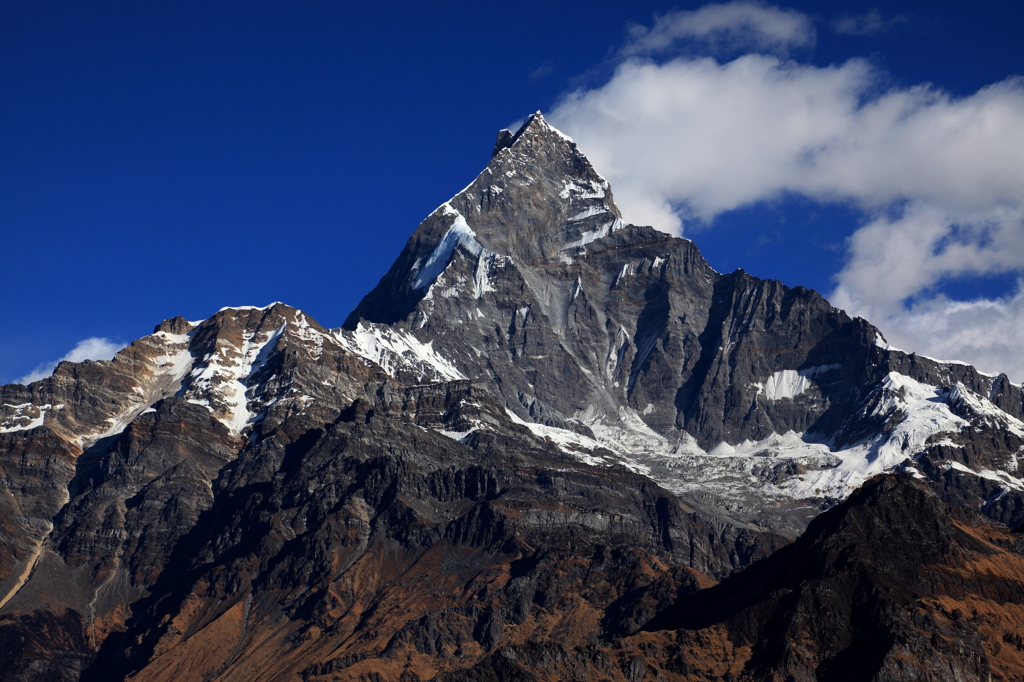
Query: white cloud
[(892, 260), (939, 178), (870, 23), (94, 348), (711, 137), (987, 332), (734, 25)]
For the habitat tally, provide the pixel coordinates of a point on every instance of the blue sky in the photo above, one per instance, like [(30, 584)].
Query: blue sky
[(161, 159)]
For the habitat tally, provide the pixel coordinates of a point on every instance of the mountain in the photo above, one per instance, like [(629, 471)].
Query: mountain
[(739, 393), (265, 496), (546, 441)]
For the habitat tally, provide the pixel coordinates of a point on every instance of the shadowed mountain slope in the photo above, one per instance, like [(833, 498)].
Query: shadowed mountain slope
[(891, 585)]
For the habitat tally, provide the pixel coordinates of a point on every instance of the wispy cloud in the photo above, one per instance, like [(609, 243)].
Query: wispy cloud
[(731, 26), (939, 178), (985, 332), (542, 71), (870, 23), (94, 348)]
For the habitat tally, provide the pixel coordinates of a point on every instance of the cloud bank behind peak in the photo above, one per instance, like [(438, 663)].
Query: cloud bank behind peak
[(939, 179)]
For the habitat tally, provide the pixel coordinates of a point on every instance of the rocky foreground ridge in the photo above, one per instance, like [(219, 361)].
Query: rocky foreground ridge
[(548, 445)]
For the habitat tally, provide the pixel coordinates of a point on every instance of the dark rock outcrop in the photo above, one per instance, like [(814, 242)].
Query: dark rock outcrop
[(891, 585)]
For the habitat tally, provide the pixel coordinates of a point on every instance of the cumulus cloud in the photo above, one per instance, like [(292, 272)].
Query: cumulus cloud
[(730, 26), (894, 259), (694, 138), (870, 23), (94, 348), (939, 178), (986, 333)]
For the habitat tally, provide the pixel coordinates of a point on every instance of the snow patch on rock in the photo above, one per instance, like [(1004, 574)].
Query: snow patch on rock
[(589, 190), (576, 445), (460, 234), (395, 350), (982, 410), (790, 383), (221, 382), (22, 417), (588, 212), (593, 235), (991, 474)]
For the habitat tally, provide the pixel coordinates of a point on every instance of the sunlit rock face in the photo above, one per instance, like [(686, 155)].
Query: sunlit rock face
[(761, 402), (548, 445)]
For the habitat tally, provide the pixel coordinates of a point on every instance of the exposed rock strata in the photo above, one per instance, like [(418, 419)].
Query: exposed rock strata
[(891, 585)]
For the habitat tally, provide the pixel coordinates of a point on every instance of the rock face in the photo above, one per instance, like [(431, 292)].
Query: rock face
[(740, 394), (548, 445), (893, 584), (289, 507)]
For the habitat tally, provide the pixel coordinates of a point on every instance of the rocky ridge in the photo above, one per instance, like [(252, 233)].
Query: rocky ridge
[(278, 469)]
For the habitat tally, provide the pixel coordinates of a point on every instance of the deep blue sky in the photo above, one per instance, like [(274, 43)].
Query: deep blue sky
[(161, 159)]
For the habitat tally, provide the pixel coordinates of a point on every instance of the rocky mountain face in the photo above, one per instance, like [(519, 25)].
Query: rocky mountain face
[(893, 584), (285, 506), (548, 445), (740, 394)]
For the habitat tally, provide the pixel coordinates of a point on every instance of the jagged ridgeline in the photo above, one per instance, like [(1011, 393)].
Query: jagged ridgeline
[(549, 445)]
